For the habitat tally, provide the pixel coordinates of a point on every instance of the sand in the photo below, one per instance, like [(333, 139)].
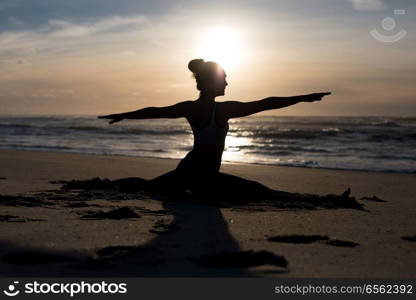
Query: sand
[(62, 234)]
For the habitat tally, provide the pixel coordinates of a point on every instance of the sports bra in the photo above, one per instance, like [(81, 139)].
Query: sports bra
[(211, 134)]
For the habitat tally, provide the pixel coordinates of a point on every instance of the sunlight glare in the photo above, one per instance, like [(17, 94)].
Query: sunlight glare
[(222, 45), (232, 152)]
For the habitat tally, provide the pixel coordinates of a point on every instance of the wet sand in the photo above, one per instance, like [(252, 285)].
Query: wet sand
[(47, 231)]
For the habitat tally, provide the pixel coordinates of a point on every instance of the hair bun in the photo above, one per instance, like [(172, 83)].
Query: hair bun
[(196, 65)]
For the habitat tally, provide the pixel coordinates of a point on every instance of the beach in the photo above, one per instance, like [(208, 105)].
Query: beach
[(54, 238)]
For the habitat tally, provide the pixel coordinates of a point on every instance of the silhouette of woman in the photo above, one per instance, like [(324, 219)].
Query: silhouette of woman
[(209, 122)]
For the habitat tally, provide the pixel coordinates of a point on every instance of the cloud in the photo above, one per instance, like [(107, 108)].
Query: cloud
[(15, 21), (59, 36), (62, 28), (368, 5)]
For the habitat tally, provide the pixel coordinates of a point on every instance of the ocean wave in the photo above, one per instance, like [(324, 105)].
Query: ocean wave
[(392, 137), (353, 167), (341, 122), (272, 153), (391, 157), (290, 134), (284, 148), (132, 131), (35, 147), (92, 129), (15, 125), (375, 143), (386, 124)]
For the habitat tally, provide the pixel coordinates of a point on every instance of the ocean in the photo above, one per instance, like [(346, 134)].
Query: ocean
[(386, 144)]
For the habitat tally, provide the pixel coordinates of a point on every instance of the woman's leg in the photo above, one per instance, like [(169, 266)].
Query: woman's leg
[(236, 189), (130, 185), (239, 188), (173, 182)]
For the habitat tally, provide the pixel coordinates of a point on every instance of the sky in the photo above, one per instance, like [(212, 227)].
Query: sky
[(94, 57)]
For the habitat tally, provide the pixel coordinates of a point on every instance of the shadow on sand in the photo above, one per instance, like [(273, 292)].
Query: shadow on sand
[(196, 243)]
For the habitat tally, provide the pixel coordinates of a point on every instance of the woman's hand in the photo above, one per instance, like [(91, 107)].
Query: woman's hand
[(114, 118), (315, 97)]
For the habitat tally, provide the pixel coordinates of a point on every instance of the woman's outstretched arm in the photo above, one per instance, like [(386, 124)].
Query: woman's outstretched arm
[(236, 109), (177, 110)]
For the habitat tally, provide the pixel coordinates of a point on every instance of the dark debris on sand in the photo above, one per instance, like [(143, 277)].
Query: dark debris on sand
[(80, 205), (11, 218), (95, 183), (116, 214), (308, 239), (125, 185), (374, 199), (17, 219), (239, 259), (331, 201), (297, 238), (28, 201), (340, 243), (158, 212), (411, 238)]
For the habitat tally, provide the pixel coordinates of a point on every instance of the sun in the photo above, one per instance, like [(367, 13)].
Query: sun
[(222, 45)]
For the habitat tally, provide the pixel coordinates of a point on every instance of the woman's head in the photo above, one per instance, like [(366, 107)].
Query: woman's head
[(209, 76)]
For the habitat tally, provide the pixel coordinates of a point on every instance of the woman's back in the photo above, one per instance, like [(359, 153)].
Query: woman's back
[(208, 134), (209, 138), (208, 126), (201, 112)]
